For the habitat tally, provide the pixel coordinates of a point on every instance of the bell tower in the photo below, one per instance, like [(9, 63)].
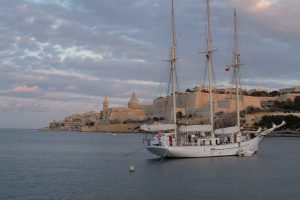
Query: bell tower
[(105, 108), (105, 104)]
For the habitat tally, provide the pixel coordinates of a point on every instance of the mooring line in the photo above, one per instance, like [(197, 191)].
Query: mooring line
[(163, 158)]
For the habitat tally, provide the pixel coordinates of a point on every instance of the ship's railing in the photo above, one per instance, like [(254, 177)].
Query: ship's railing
[(198, 143)]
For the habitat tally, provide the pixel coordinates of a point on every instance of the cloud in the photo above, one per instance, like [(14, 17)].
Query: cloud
[(71, 73), (22, 8), (26, 89), (142, 82), (271, 83), (77, 52), (18, 104), (116, 86), (263, 4), (71, 88), (68, 54)]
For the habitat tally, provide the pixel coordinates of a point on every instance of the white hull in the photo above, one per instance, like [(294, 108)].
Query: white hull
[(246, 148)]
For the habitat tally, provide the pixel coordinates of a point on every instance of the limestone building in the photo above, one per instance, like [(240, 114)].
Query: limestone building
[(134, 112), (189, 104), (290, 90), (196, 104)]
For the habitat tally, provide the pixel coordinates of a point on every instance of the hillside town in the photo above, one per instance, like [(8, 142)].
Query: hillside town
[(192, 108)]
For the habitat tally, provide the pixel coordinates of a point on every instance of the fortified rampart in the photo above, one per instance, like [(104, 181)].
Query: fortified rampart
[(192, 105)]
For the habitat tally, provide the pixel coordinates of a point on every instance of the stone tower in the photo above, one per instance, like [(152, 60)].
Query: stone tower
[(105, 109)]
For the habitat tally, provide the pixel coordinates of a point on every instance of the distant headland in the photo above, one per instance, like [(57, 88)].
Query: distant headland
[(259, 108)]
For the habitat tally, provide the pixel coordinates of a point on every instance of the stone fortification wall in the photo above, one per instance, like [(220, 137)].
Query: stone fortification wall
[(193, 105), (123, 115), (197, 104)]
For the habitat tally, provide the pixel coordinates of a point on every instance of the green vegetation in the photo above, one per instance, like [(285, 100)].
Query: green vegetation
[(189, 90), (288, 105), (292, 121), (266, 94), (297, 103), (260, 94)]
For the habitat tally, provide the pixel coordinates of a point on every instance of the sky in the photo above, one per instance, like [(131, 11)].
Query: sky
[(60, 57)]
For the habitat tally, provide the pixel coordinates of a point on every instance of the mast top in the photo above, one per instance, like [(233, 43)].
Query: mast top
[(173, 65), (173, 26), (236, 51), (173, 46)]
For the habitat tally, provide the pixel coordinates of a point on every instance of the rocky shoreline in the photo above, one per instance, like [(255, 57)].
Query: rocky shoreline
[(109, 128), (134, 128)]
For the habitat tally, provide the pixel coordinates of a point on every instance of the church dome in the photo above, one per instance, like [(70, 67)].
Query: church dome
[(134, 102)]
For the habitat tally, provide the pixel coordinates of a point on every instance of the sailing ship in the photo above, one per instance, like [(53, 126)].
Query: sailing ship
[(176, 141)]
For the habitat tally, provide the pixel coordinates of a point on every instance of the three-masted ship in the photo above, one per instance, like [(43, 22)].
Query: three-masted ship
[(171, 140)]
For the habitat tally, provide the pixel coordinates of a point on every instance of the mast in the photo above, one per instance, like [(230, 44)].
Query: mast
[(210, 66), (172, 62), (236, 70)]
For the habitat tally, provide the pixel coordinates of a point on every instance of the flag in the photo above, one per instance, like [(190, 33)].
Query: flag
[(227, 69)]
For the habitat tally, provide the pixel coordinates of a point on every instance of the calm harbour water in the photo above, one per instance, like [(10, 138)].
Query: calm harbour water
[(70, 165)]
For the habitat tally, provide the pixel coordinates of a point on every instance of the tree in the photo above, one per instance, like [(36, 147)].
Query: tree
[(259, 94), (287, 105), (246, 93), (292, 122), (297, 103), (179, 114), (155, 118), (274, 93)]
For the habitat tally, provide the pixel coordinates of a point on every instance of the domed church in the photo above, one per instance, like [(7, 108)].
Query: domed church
[(133, 113), (134, 102)]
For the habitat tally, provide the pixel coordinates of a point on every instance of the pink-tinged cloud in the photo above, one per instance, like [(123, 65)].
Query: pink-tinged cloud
[(128, 94), (26, 89), (263, 4), (271, 18), (116, 86)]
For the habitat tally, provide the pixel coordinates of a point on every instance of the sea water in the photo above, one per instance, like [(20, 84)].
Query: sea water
[(72, 165)]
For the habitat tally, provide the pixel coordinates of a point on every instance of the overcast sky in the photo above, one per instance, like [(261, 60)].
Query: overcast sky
[(59, 57)]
